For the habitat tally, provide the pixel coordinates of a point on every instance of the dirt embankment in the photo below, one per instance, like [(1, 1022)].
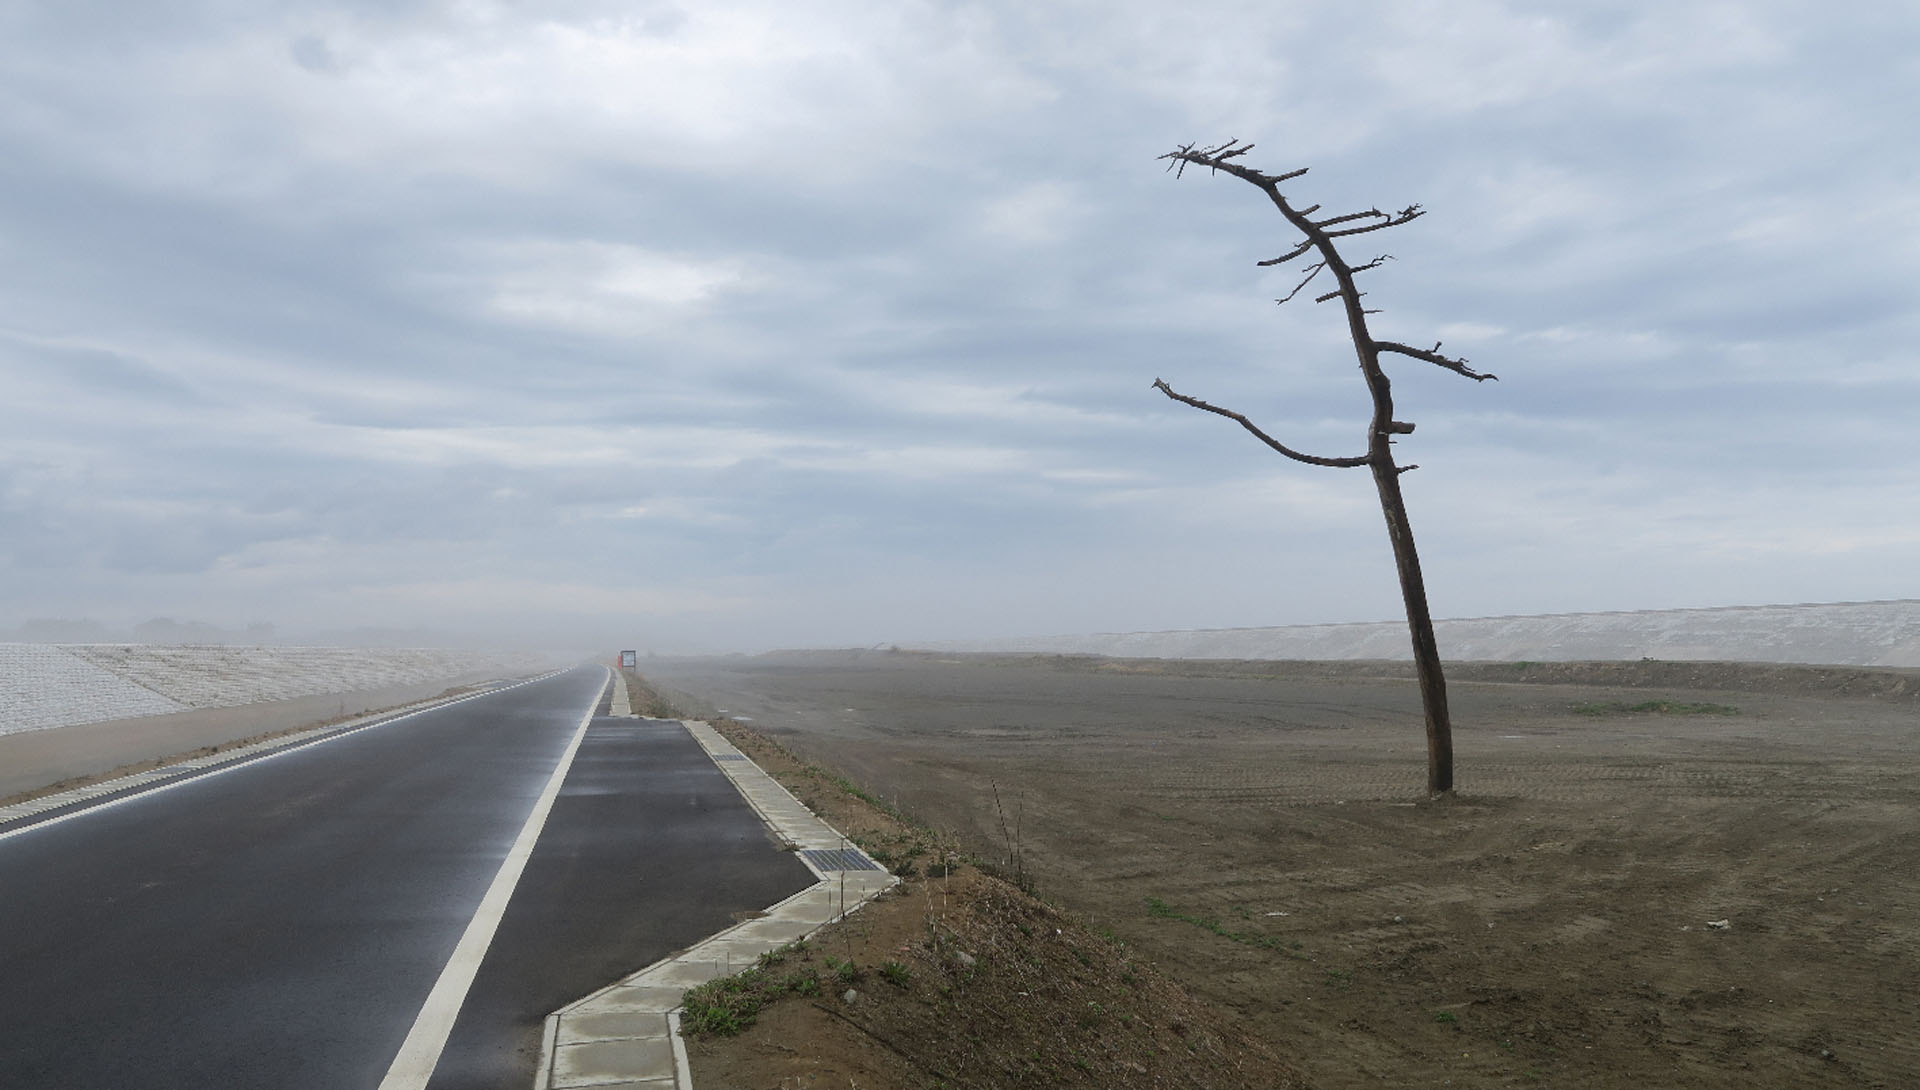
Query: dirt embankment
[(1721, 890), (960, 978)]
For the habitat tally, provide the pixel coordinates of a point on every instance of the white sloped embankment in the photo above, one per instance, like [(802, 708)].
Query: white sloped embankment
[(57, 685), (1839, 633), (46, 685)]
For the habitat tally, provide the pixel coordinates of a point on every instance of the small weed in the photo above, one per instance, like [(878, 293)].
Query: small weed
[(729, 1004), (1339, 978), (895, 973), (725, 1006), (846, 972), (1446, 1018), (1016, 859), (1161, 910), (857, 792)]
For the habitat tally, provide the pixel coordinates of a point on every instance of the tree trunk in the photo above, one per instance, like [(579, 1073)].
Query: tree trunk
[(1380, 430), (1426, 652)]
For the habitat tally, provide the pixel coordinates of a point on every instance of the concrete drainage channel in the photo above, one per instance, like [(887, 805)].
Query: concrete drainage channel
[(628, 1033)]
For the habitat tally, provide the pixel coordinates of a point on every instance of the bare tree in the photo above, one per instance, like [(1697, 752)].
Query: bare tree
[(1320, 241)]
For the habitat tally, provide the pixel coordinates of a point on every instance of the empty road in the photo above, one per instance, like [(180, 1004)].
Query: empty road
[(306, 919)]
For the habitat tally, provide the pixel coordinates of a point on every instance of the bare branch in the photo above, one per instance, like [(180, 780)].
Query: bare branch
[(1316, 270), (1219, 158), (1207, 157), (1374, 264), (1288, 256), (1411, 212), (1213, 158), (1327, 296), (1232, 149), (1433, 356), (1368, 229), (1310, 459), (1368, 214)]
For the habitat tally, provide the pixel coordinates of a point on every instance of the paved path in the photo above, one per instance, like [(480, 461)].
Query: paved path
[(283, 924), (625, 1036)]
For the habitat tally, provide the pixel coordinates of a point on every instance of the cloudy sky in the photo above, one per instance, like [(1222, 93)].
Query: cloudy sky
[(737, 325)]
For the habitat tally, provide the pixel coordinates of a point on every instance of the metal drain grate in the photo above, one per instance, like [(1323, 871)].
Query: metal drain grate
[(729, 757), (838, 859)]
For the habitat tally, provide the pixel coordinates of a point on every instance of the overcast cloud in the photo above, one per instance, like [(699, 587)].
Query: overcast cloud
[(738, 325)]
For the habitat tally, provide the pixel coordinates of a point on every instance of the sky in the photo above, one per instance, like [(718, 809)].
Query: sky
[(731, 326)]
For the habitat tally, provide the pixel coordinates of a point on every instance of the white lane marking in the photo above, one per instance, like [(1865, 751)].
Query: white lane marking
[(420, 1053), (108, 804)]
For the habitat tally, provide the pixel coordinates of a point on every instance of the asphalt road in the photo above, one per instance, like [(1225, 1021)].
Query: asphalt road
[(282, 924)]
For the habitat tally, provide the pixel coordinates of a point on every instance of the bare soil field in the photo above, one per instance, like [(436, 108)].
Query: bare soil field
[(956, 979), (1653, 874)]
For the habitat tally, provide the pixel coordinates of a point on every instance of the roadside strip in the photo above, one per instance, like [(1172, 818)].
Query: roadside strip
[(53, 809), (622, 704), (627, 1035)]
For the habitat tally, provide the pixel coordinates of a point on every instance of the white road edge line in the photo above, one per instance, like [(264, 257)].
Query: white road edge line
[(169, 785), (420, 1053)]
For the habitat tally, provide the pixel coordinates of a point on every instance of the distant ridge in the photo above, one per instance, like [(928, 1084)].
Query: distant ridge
[(1885, 633)]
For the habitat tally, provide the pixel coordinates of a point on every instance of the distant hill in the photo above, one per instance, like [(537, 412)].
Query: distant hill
[(1837, 633)]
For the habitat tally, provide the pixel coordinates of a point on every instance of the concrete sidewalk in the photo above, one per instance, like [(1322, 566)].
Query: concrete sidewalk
[(626, 1036)]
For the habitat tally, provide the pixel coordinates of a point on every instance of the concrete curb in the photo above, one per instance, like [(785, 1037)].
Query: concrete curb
[(622, 704), (627, 1035)]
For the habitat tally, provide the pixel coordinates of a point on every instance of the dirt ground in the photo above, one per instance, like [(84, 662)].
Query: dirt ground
[(1720, 889), (956, 979)]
